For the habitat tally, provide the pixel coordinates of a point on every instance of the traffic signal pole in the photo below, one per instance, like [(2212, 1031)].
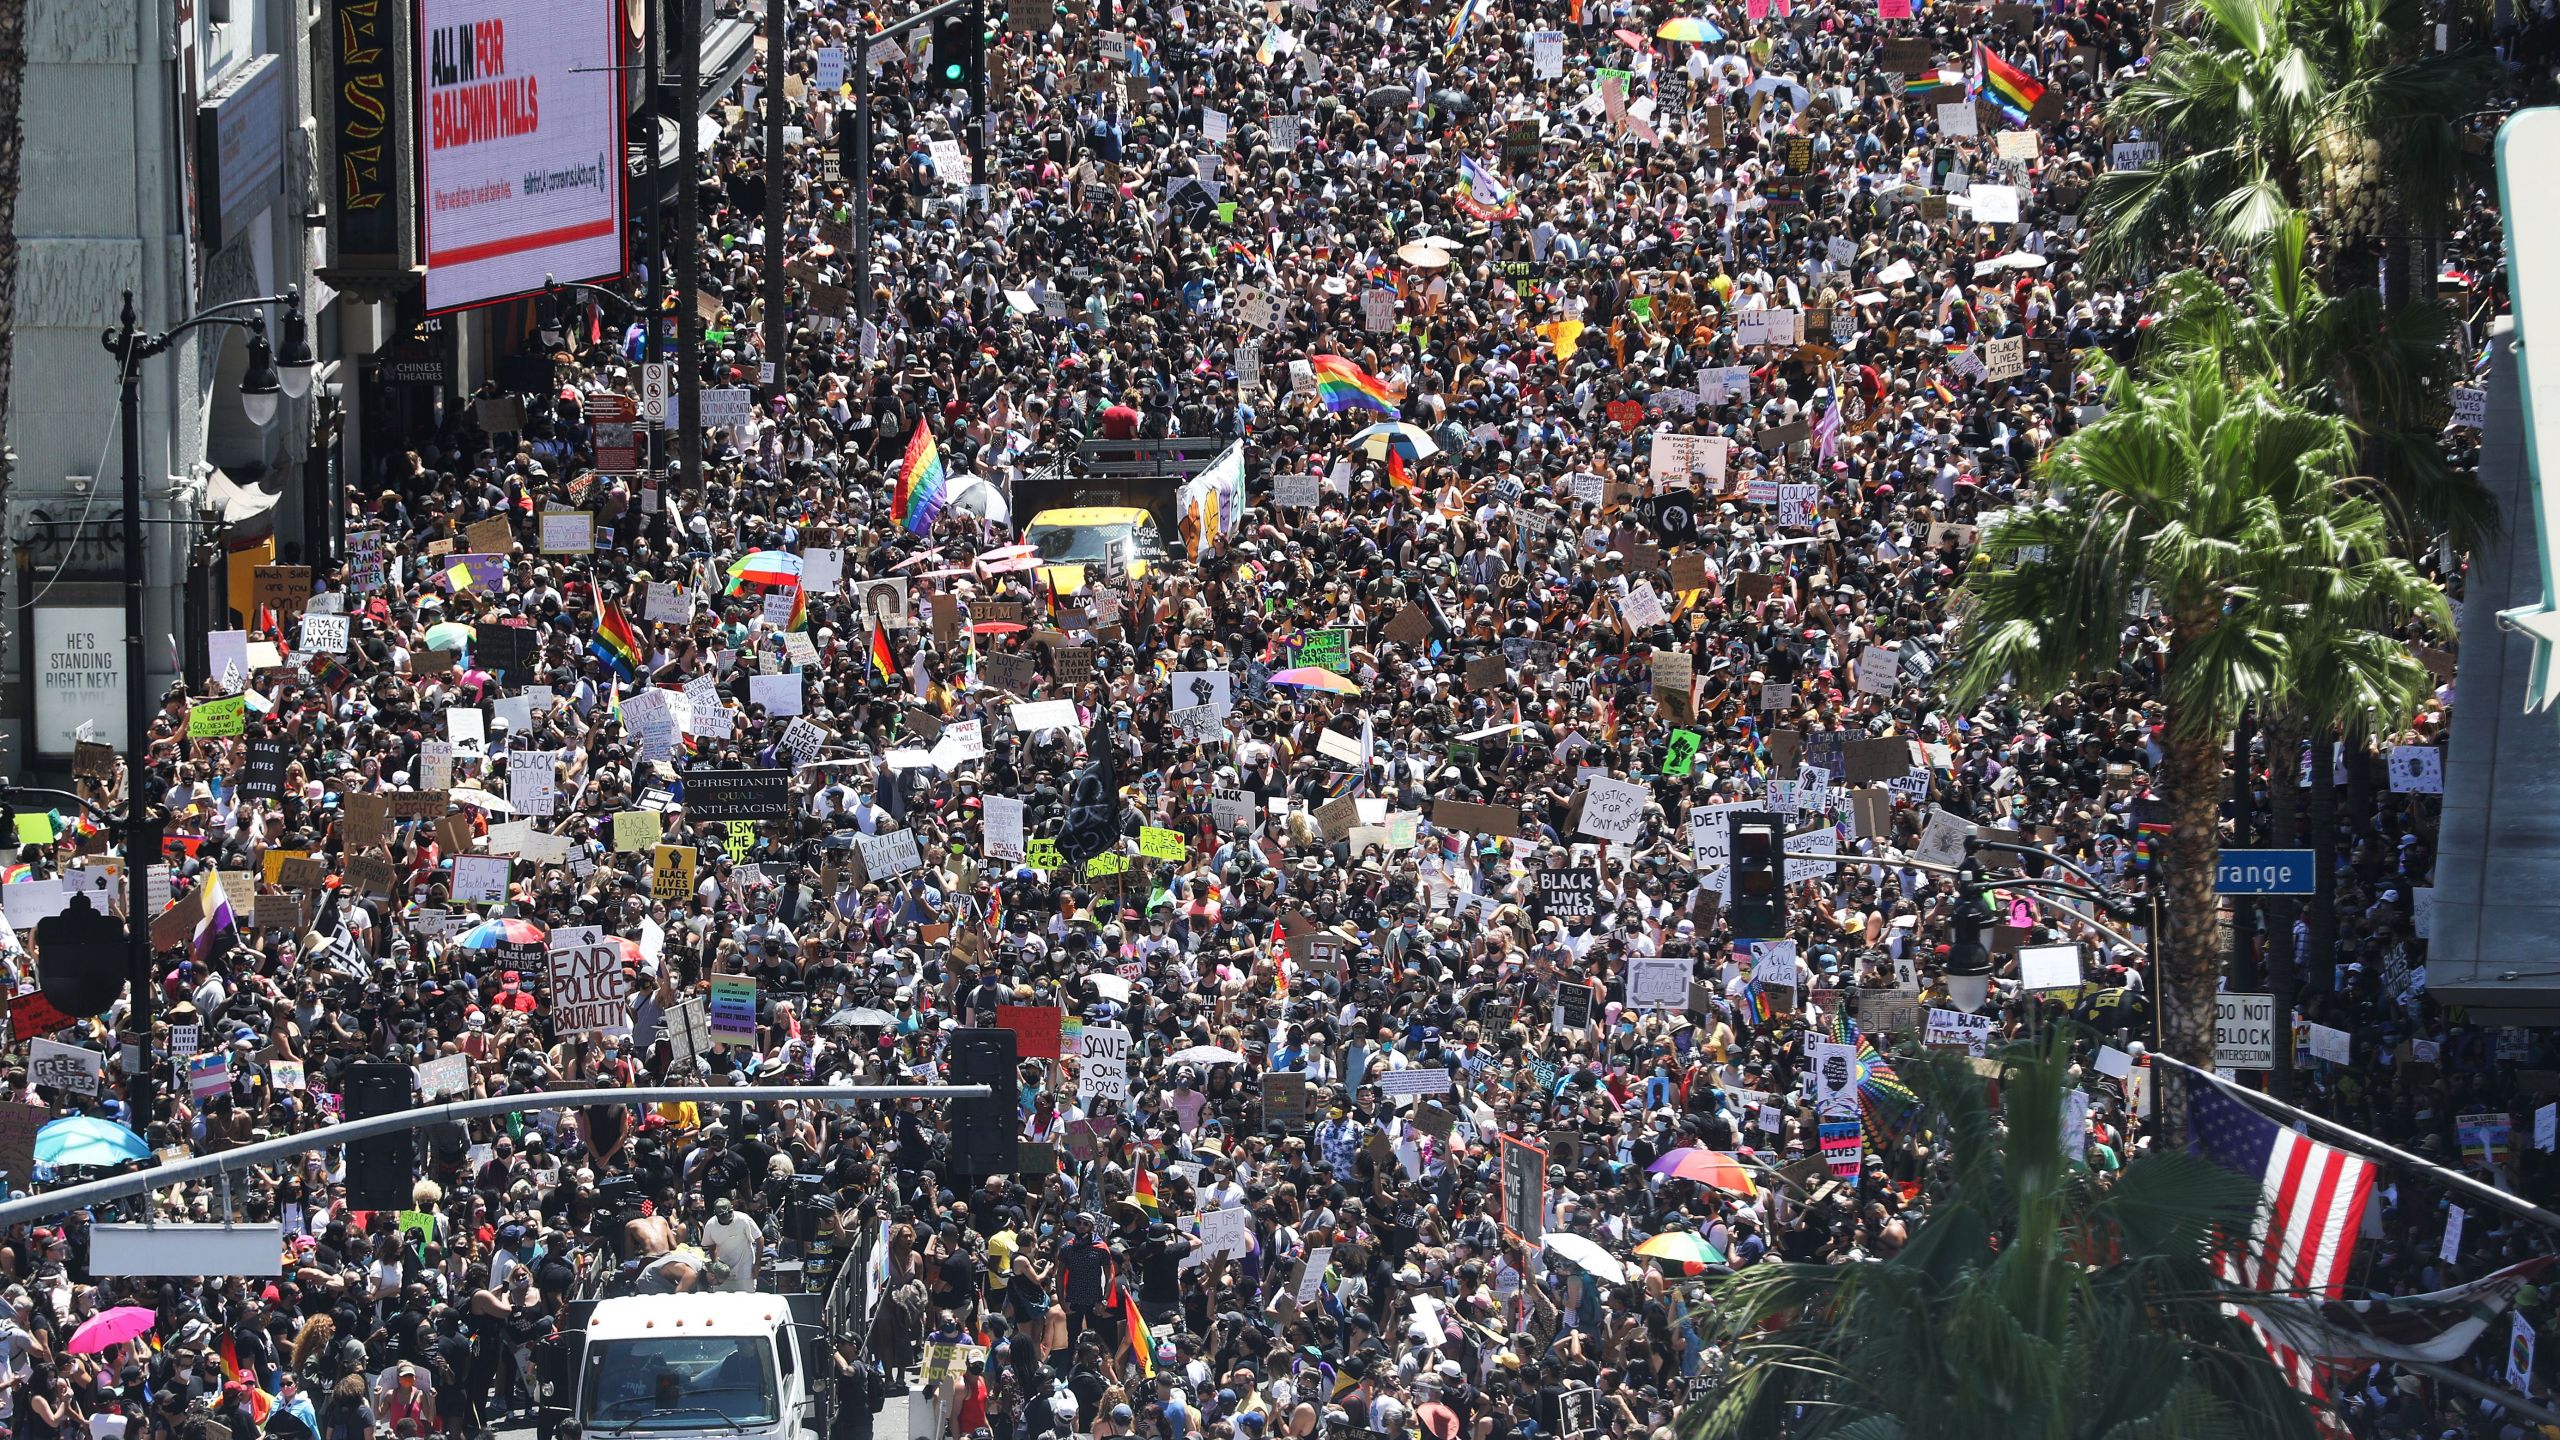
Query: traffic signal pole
[(862, 134), (207, 1167)]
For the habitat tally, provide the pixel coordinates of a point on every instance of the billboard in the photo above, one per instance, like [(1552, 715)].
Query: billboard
[(520, 142)]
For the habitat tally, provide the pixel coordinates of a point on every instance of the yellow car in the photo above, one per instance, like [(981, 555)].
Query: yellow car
[(1090, 537)]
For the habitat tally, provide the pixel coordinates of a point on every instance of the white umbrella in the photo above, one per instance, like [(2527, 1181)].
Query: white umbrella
[(1412, 439), (1206, 1055), (975, 496), (1421, 256), (2014, 260), (482, 798), (1585, 1255)]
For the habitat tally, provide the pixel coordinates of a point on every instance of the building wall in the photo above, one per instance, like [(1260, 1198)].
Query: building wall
[(103, 209)]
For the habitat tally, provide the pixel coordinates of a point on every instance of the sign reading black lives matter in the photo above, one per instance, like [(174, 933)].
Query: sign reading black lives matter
[(264, 774), (1569, 894), (737, 794)]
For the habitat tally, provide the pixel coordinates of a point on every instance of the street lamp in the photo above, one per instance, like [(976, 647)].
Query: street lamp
[(269, 375)]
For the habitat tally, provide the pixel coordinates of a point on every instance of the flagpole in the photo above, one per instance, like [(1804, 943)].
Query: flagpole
[(2356, 1139)]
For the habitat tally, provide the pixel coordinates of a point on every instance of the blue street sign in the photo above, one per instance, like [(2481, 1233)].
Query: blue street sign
[(2263, 872)]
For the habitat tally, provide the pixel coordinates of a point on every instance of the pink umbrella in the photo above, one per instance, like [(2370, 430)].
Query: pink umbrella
[(113, 1327)]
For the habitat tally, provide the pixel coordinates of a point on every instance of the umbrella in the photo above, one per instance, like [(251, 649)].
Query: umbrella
[(1382, 96), (87, 1140), (451, 635), (1008, 557), (1315, 677), (1633, 40), (473, 795), (2014, 260), (765, 567), (1585, 1255), (501, 930), (975, 496), (1690, 28), (632, 956), (1206, 1055), (860, 1015), (1440, 242), (1711, 1168), (1421, 256), (1681, 1247), (113, 1327), (997, 627), (1412, 441)]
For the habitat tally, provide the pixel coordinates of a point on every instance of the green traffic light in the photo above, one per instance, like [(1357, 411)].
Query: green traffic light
[(950, 72)]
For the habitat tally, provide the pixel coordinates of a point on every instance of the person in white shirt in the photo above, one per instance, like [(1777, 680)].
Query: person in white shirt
[(734, 1240)]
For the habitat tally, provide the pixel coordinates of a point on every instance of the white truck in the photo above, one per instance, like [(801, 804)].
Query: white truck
[(694, 1365)]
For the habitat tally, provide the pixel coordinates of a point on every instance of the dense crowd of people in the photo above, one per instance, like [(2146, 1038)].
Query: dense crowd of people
[(1706, 356)]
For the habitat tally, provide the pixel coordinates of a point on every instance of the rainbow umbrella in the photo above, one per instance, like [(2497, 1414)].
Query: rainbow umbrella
[(1315, 677), (1711, 1168), (451, 635), (764, 567), (500, 931), (1681, 1247), (1690, 28)]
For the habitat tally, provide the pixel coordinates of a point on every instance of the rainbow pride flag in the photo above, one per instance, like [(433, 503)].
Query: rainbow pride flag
[(2012, 89), (615, 645), (921, 490), (1342, 386)]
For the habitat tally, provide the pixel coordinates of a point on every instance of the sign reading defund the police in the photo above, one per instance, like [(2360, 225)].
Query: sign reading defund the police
[(1104, 1065), (587, 990), (2244, 1032)]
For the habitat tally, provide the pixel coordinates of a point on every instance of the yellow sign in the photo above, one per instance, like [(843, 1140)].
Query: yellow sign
[(1043, 855), (742, 839), (671, 873), (215, 719), (1157, 843), (637, 829), (1109, 862), (274, 860)]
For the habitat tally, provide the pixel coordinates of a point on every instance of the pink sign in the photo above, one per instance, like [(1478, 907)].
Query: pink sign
[(1893, 9)]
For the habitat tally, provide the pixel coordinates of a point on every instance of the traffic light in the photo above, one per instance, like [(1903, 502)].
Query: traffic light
[(959, 54), (1968, 966), (1757, 905), (984, 1135), (382, 1172)]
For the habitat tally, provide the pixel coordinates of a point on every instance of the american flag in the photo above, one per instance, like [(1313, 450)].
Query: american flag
[(2311, 1203)]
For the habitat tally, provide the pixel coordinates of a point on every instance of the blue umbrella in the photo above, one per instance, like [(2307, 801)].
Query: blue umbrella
[(88, 1140)]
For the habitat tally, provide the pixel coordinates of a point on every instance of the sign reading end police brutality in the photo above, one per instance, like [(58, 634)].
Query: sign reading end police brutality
[(520, 173), (586, 983)]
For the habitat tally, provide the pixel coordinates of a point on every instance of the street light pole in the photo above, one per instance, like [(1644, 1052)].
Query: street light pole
[(777, 174), (269, 376), (689, 244)]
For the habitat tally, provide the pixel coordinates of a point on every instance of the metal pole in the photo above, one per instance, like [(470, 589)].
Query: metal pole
[(777, 179), (656, 253), (2481, 1191), (688, 376), (141, 838), (859, 172), (117, 1187), (978, 112)]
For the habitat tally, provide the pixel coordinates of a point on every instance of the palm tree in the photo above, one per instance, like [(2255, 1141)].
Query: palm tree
[(2386, 372), (2220, 497), (2273, 106), (2038, 1300)]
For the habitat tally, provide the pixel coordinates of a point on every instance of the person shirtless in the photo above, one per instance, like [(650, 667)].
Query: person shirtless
[(649, 1234)]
